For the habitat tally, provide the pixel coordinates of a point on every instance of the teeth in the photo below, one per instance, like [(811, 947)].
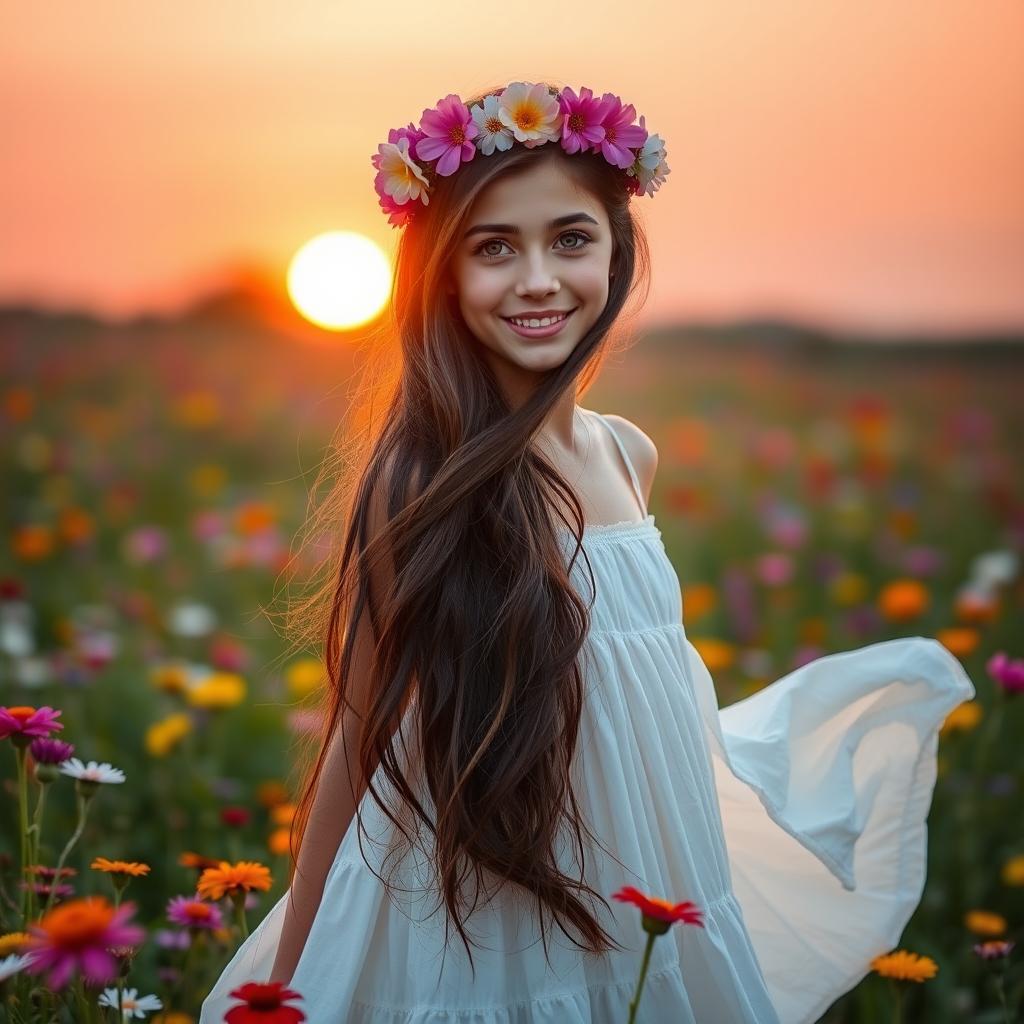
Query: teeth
[(545, 322)]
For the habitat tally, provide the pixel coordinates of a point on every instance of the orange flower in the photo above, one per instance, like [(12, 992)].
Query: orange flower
[(14, 942), (976, 607), (698, 600), (903, 600), (960, 641), (985, 922), (964, 716), (76, 526), (659, 915), (18, 404), (283, 814), (717, 655), (120, 867), (904, 966), (32, 542), (243, 876), (253, 517), (280, 842), (272, 793), (188, 859)]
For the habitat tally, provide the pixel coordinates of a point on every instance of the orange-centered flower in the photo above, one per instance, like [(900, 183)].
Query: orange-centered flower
[(215, 883), (659, 915), (120, 867), (904, 966)]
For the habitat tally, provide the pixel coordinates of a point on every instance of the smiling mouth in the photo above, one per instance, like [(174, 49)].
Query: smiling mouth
[(538, 323)]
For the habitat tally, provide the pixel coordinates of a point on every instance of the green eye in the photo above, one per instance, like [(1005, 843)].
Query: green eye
[(584, 241)]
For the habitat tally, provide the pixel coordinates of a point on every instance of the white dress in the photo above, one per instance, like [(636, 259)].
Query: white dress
[(796, 819)]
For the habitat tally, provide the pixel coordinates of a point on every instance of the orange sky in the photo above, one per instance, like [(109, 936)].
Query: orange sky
[(856, 165)]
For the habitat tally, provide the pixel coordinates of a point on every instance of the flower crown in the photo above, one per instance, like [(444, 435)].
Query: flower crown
[(451, 134)]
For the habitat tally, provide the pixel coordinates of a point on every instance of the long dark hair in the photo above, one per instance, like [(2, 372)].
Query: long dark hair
[(482, 627)]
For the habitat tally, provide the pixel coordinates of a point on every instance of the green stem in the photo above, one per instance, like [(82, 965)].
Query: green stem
[(37, 822), (238, 899), (643, 974), (897, 1014), (25, 844), (83, 810), (1002, 998)]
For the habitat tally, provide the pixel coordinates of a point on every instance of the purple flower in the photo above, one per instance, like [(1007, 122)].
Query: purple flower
[(994, 949), (1008, 674), (49, 751), (167, 938)]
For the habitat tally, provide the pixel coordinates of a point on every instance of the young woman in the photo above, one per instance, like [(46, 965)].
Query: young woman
[(509, 668)]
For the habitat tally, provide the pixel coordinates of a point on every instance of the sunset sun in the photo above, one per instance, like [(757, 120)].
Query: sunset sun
[(339, 279)]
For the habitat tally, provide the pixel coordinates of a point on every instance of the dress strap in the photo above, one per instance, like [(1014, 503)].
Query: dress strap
[(625, 458)]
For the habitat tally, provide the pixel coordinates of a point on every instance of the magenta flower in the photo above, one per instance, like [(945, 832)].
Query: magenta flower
[(1008, 674), (50, 751), (191, 912), (77, 937), (448, 132), (620, 134), (582, 127), (27, 722)]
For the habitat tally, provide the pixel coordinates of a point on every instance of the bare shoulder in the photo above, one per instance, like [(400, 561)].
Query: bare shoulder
[(643, 452)]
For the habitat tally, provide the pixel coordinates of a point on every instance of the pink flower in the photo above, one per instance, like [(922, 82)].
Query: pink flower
[(449, 130), (192, 912), (1008, 674), (620, 134), (28, 722), (77, 936), (582, 126)]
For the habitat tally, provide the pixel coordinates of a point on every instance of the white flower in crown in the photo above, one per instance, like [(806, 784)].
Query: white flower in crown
[(399, 175), (650, 168), (531, 113), (492, 133)]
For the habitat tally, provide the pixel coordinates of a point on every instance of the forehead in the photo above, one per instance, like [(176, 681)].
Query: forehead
[(532, 197)]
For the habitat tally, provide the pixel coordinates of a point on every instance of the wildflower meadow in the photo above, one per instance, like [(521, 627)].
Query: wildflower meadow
[(814, 496)]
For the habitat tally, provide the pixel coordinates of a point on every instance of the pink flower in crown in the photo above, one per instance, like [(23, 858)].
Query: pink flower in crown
[(583, 115), (531, 112), (448, 132), (620, 134), (649, 169), (399, 214)]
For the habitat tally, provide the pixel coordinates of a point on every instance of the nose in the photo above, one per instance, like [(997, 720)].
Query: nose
[(538, 279)]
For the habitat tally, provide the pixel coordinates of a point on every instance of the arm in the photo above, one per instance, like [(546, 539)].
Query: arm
[(333, 807)]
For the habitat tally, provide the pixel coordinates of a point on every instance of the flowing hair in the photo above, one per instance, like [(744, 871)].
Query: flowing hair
[(480, 628)]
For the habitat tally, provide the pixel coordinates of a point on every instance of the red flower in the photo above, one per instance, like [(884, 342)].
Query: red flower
[(263, 1003), (235, 817), (660, 915)]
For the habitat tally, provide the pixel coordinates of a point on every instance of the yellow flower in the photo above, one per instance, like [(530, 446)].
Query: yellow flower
[(207, 480), (848, 589), (1013, 871), (170, 677), (197, 409), (985, 922), (218, 691), (14, 942), (716, 654), (173, 1017), (905, 966), (964, 716), (245, 875), (163, 736), (304, 677), (120, 867)]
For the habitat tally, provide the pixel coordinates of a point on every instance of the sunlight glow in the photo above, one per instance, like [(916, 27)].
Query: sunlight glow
[(339, 280)]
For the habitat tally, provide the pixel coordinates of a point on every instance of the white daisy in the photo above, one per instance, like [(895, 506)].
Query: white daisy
[(191, 619), (132, 1004), (995, 568), (492, 133), (91, 772), (401, 177), (11, 965), (649, 167), (531, 113)]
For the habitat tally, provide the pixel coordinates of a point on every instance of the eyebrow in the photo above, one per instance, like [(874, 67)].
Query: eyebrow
[(511, 229)]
